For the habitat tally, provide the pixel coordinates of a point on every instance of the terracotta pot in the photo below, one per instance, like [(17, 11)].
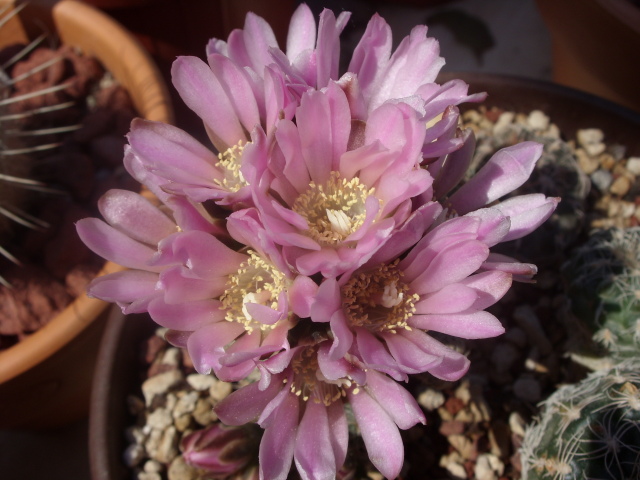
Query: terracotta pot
[(117, 373), (595, 44), (45, 380)]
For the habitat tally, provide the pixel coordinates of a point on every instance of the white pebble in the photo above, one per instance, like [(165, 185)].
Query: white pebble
[(185, 404), (488, 467), (431, 399), (172, 357), (201, 382), (219, 390), (152, 466), (538, 120), (160, 383), (159, 419), (589, 136), (633, 165), (595, 149)]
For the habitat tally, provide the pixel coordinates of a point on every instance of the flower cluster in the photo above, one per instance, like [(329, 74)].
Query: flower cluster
[(326, 238)]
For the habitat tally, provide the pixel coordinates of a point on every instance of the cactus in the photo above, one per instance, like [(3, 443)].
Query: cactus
[(588, 430), (603, 283), (20, 142)]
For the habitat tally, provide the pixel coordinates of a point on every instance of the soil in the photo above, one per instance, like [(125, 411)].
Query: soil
[(474, 426), (55, 266)]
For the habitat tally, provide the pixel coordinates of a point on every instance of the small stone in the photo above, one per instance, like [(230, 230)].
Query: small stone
[(201, 382), (181, 470), (633, 165), (172, 357), (488, 467), (538, 120), (590, 136), (220, 390), (134, 454), (152, 466), (149, 476), (135, 435), (627, 209), (160, 383), (185, 404), (587, 164), (153, 442), (607, 162), (454, 465), (203, 413), (431, 399), (595, 149), (517, 424), (528, 389), (183, 422), (160, 419), (601, 179), (620, 186), (168, 446), (452, 427), (504, 122)]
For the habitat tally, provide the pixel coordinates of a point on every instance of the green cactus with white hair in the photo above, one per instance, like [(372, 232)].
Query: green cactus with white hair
[(603, 284), (589, 430)]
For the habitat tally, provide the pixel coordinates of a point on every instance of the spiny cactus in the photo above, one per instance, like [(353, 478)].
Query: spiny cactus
[(588, 430), (18, 142), (603, 278)]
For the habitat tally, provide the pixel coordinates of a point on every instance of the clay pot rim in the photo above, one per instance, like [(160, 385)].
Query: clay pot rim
[(84, 26)]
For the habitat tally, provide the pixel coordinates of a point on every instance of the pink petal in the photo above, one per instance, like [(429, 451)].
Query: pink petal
[(245, 404), (302, 32), (489, 286), (206, 344), (450, 266), (449, 299), (396, 401), (301, 295), (113, 245), (380, 434), (408, 355), (186, 316), (342, 336), (201, 91), (126, 287), (526, 212), (278, 442), (313, 454), (472, 325), (505, 171)]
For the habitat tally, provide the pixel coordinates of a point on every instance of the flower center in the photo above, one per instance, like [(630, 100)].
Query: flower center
[(229, 162), (256, 281), (333, 210), (309, 383), (379, 300)]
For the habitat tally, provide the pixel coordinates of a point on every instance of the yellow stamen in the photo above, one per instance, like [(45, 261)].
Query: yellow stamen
[(230, 162), (333, 210), (256, 281)]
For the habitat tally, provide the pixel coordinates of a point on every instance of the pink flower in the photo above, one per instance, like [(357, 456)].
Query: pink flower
[(228, 308), (334, 190), (381, 313), (301, 408)]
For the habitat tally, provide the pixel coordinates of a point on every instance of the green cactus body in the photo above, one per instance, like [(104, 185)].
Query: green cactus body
[(603, 279), (589, 430)]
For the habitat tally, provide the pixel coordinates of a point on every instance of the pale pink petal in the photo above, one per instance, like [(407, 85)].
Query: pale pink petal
[(449, 299), (526, 212), (278, 442), (409, 356), (396, 400), (489, 286), (113, 245), (201, 91), (380, 434), (474, 324), (505, 171), (313, 453), (123, 287), (302, 32), (245, 404), (206, 344), (186, 316)]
